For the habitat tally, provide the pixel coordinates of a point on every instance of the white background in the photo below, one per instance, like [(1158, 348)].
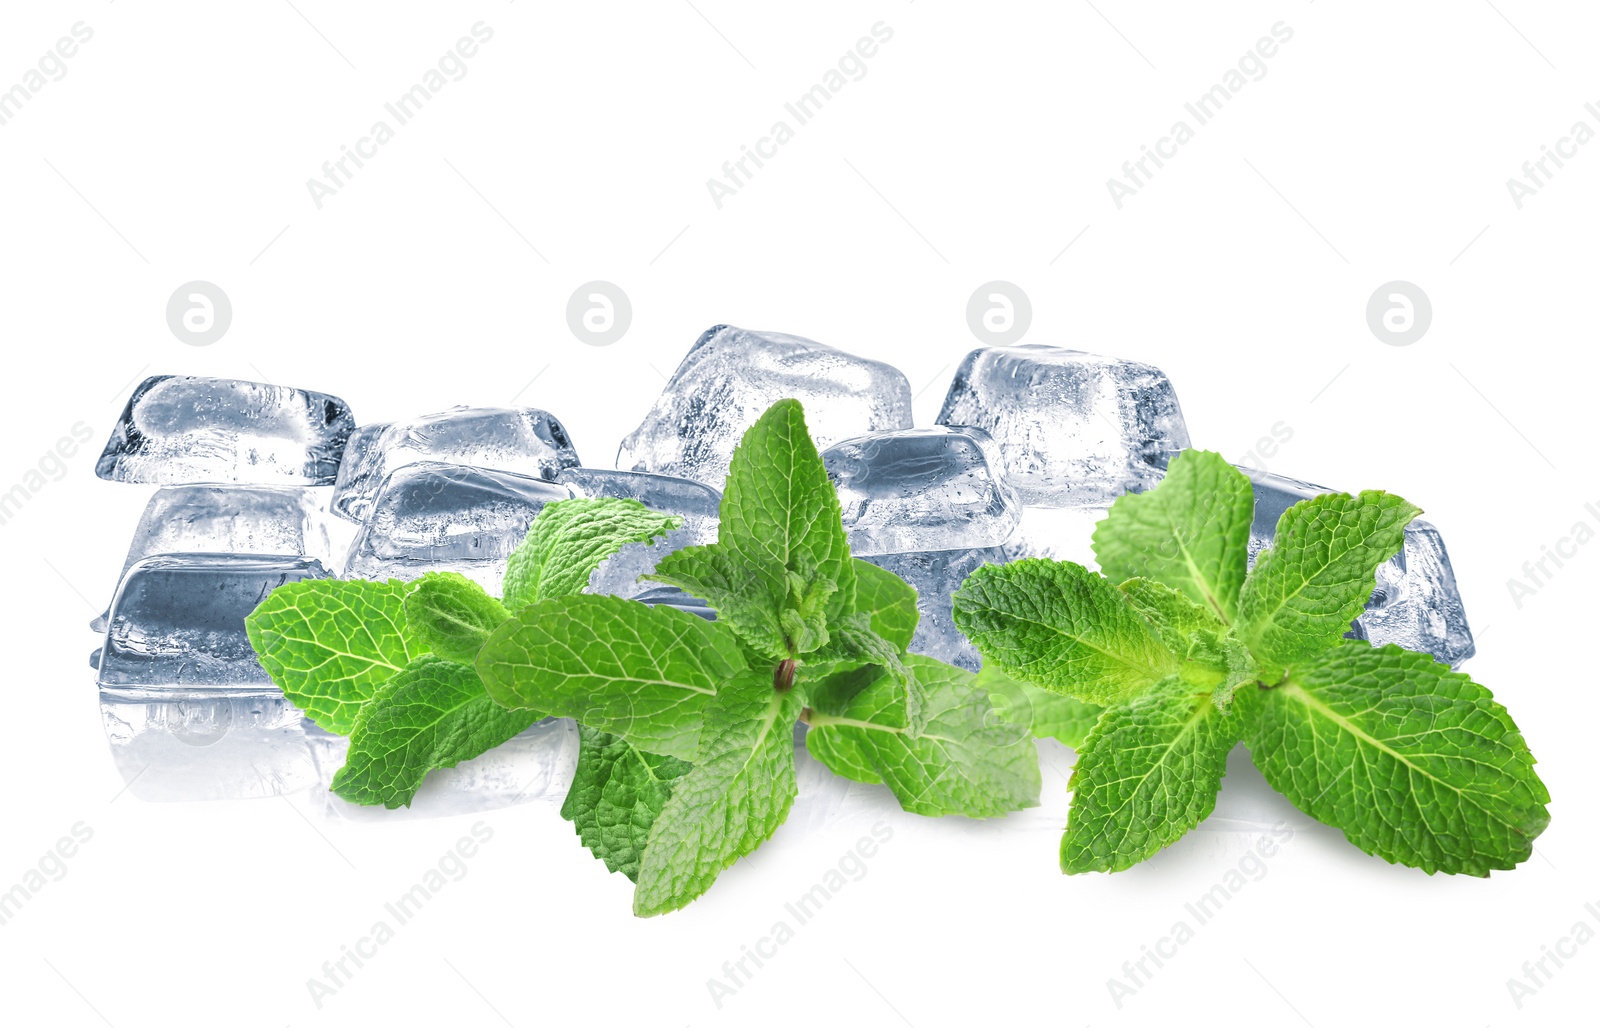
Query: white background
[(977, 146)]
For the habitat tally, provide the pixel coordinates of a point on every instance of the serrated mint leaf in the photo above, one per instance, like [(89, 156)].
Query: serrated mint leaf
[(616, 795), (738, 793), (780, 519), (717, 575), (330, 644), (645, 673), (1048, 715), (888, 600), (1317, 575), (1148, 773), (434, 713), (452, 615), (1061, 626), (1191, 532), (570, 538), (965, 761), (1416, 763), (855, 644), (1176, 618)]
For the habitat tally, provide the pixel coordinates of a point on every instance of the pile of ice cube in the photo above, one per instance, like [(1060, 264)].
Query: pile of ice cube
[(261, 485)]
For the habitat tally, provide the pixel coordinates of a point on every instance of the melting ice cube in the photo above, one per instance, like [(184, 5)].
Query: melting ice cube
[(729, 379), (1073, 428), (178, 429), (921, 489), (447, 517), (523, 440)]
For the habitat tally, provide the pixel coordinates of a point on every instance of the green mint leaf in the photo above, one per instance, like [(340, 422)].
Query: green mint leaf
[(780, 521), (854, 645), (1061, 626), (569, 539), (433, 714), (1048, 715), (888, 600), (965, 761), (718, 575), (330, 644), (645, 673), (1191, 532), (1416, 763), (616, 795), (736, 796), (1148, 773), (1177, 619), (1317, 575), (452, 615)]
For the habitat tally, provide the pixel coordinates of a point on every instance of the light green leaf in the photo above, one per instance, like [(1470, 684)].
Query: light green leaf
[(854, 644), (1416, 763), (1048, 715), (330, 644), (1063, 627), (739, 792), (716, 575), (1319, 572), (570, 538), (1176, 618), (645, 673), (435, 713), (888, 600), (616, 795), (452, 615), (1148, 773), (1191, 532), (967, 760)]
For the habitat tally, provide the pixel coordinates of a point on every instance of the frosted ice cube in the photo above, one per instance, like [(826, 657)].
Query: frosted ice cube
[(731, 376), (936, 575), (447, 517), (177, 621), (178, 429), (522, 440), (1415, 602), (284, 520), (363, 465), (1073, 428), (921, 489), (695, 502)]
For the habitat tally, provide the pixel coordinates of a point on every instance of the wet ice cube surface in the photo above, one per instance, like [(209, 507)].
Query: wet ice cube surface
[(921, 489), (696, 503), (179, 429), (231, 519), (447, 517), (729, 379), (177, 621), (1415, 602), (524, 440), (1073, 428)]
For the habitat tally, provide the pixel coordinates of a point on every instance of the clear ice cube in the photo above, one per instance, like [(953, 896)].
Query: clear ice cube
[(521, 440), (731, 376), (179, 429), (177, 622), (447, 517), (695, 502), (936, 575), (1073, 428), (1415, 602), (921, 489)]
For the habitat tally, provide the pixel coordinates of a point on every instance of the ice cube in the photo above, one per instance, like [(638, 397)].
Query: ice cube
[(729, 379), (362, 463), (1073, 428), (430, 516), (1415, 602), (522, 440), (696, 503), (936, 575), (178, 429), (921, 489), (283, 520), (177, 621)]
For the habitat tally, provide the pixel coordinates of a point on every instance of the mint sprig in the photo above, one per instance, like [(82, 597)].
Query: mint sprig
[(1191, 655)]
